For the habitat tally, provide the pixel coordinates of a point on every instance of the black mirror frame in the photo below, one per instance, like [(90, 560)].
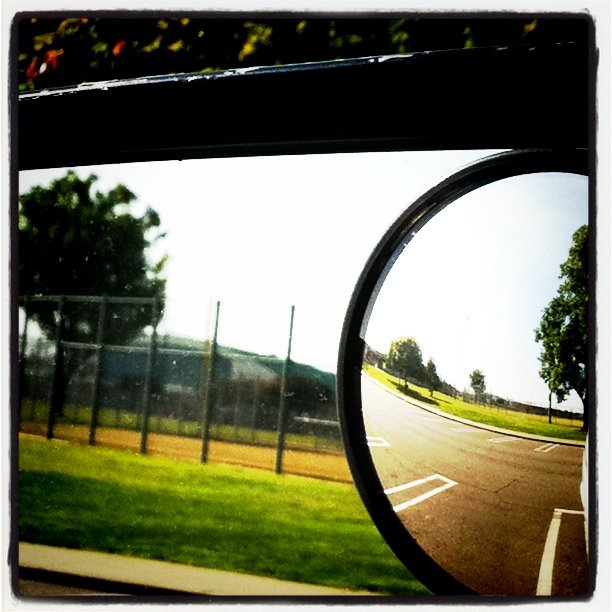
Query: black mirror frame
[(352, 344)]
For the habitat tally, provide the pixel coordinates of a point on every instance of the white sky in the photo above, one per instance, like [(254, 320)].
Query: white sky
[(262, 234), (471, 286)]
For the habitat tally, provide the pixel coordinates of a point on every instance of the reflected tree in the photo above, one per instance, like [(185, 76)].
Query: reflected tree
[(477, 382), (563, 327), (433, 380), (406, 360)]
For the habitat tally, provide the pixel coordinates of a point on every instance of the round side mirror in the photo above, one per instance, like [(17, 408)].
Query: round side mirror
[(447, 380)]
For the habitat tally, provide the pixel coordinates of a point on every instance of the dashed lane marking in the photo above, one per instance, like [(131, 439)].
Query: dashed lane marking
[(463, 429), (546, 448), (545, 578), (448, 483), (503, 440), (376, 441)]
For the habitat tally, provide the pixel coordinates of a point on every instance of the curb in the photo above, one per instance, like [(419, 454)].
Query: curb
[(136, 576), (476, 424)]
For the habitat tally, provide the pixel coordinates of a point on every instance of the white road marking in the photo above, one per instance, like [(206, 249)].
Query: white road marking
[(546, 448), (548, 556), (415, 483), (376, 441), (501, 440), (547, 564), (586, 533), (463, 429)]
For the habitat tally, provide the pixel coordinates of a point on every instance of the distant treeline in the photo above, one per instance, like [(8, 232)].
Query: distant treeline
[(378, 360)]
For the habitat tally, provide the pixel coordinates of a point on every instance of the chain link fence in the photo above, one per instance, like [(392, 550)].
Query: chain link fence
[(97, 371)]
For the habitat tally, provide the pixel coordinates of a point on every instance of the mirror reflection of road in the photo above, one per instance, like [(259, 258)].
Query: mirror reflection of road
[(501, 513)]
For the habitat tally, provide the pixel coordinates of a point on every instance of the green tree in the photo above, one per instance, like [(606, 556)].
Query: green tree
[(405, 358), (477, 382), (563, 327), (433, 380), (74, 241)]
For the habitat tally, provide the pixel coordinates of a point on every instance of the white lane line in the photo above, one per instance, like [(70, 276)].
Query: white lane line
[(546, 448), (376, 441), (564, 511), (463, 429), (415, 483), (411, 484), (547, 564), (548, 556), (503, 440)]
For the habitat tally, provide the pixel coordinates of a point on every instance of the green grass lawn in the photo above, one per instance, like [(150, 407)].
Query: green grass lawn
[(219, 517), (516, 421)]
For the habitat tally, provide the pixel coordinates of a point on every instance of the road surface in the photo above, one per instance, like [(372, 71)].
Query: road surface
[(501, 513)]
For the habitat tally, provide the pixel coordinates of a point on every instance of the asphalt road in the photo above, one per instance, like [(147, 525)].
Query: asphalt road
[(501, 513), (38, 588)]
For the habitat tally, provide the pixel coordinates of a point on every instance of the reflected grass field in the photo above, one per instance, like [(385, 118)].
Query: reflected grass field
[(220, 517), (564, 429)]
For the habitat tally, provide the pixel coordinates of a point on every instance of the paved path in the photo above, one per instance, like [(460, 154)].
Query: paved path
[(116, 570), (482, 503)]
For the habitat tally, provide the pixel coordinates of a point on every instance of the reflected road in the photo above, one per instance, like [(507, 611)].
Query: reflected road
[(501, 513)]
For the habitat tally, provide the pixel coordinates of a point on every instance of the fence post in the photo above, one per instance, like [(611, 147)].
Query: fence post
[(254, 409), (550, 406), (95, 400), (57, 390), (282, 405), (148, 383), (23, 344), (208, 396)]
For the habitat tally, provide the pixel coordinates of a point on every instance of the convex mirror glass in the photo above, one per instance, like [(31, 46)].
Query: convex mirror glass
[(463, 380)]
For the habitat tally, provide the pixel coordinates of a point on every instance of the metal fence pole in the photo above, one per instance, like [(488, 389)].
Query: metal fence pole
[(254, 409), (208, 395), (95, 400), (148, 383), (23, 344), (57, 390), (282, 406), (550, 406)]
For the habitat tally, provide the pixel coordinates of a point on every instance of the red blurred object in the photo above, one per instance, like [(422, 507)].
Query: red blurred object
[(118, 47), (32, 70), (51, 58)]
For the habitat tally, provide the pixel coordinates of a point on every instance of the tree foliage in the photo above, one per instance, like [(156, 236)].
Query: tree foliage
[(405, 358), (74, 241), (563, 326), (433, 380), (56, 52), (477, 382)]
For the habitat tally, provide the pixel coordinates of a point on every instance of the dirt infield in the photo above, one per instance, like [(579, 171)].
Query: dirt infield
[(303, 463)]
